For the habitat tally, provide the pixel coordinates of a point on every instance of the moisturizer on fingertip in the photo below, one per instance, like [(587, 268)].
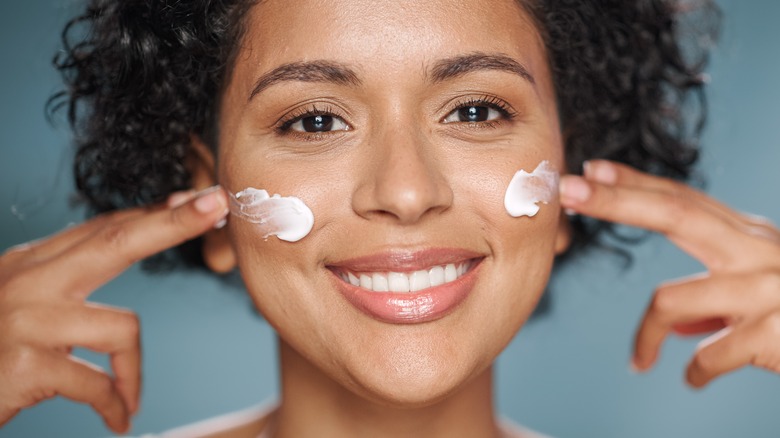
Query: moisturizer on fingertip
[(287, 218), (527, 190)]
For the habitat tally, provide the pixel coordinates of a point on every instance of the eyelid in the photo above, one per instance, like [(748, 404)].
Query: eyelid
[(489, 100), (282, 125)]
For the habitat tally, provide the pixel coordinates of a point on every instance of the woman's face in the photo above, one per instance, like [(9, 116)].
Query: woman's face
[(400, 124)]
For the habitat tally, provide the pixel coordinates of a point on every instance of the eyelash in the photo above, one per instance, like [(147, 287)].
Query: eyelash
[(284, 124), (490, 101)]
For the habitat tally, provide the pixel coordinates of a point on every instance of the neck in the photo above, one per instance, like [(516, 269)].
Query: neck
[(312, 404)]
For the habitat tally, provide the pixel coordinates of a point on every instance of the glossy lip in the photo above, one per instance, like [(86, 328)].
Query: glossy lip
[(414, 307)]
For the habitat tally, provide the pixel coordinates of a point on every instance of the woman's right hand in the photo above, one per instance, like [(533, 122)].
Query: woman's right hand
[(44, 312)]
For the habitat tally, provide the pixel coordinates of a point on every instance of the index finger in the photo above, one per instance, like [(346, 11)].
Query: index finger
[(115, 247), (708, 237)]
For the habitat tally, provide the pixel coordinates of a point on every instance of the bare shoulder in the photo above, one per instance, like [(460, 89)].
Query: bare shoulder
[(247, 423)]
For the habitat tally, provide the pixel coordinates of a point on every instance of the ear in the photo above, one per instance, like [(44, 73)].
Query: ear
[(217, 251), (564, 235)]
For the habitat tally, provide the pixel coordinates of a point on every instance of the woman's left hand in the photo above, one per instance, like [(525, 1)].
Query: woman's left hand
[(738, 295)]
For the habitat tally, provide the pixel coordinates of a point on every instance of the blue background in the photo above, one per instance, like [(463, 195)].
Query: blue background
[(566, 374)]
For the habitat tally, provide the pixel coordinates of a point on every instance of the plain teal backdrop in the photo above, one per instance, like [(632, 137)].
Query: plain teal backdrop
[(566, 374)]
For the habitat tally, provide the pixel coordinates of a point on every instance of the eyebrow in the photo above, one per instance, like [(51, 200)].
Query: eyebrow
[(307, 71), (454, 67), (340, 74)]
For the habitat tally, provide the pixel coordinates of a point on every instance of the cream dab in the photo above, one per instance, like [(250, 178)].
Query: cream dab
[(287, 218), (527, 190)]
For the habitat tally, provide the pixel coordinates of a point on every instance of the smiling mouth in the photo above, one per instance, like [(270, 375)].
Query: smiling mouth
[(406, 282), (408, 287)]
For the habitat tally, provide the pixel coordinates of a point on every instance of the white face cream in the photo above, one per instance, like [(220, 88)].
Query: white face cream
[(527, 190), (287, 218)]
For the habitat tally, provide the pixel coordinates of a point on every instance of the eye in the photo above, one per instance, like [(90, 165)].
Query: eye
[(318, 123), (474, 114)]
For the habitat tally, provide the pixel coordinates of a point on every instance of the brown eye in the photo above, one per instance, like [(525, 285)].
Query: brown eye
[(473, 114), (319, 123)]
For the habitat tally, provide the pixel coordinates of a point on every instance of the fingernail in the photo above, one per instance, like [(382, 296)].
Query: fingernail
[(633, 367), (574, 189), (178, 199), (220, 224), (600, 171), (210, 199)]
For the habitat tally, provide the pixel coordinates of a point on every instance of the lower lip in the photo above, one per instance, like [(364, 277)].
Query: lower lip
[(411, 308)]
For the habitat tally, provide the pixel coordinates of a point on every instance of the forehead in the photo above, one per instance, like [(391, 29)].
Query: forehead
[(387, 34)]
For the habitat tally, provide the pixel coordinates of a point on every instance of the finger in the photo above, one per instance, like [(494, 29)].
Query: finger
[(684, 222), (117, 246), (612, 173), (86, 383), (50, 373), (180, 198), (699, 300), (699, 327), (753, 343), (44, 248), (94, 326), (41, 249)]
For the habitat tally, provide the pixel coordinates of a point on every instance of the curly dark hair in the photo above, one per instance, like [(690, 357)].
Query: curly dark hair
[(144, 76)]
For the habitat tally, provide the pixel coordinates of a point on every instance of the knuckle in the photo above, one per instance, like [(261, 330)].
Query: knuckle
[(16, 321), (678, 208), (704, 360), (179, 218), (664, 301), (767, 360), (103, 392), (115, 236), (16, 283), (131, 327)]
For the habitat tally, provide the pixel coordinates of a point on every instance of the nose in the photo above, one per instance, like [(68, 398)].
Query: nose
[(403, 180)]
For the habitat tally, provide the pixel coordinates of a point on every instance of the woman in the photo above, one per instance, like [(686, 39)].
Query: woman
[(399, 126)]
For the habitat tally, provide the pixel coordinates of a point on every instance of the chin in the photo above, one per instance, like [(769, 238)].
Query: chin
[(414, 374), (418, 365)]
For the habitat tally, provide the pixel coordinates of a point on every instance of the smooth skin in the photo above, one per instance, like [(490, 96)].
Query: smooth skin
[(43, 288), (398, 170)]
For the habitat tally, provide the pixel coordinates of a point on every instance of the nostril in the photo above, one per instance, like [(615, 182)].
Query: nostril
[(402, 180)]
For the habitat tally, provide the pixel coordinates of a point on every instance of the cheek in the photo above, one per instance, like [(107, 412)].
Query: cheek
[(283, 278), (522, 248)]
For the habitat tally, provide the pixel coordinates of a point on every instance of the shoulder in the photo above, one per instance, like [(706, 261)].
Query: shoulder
[(247, 423), (512, 430)]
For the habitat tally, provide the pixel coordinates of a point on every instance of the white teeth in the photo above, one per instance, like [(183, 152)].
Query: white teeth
[(450, 273), (404, 283), (379, 283), (398, 282), (437, 276), (365, 281), (419, 280)]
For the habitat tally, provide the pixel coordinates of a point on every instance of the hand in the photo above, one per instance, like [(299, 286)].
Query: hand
[(739, 295), (43, 312)]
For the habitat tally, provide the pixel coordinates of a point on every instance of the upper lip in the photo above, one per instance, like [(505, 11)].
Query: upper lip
[(404, 260)]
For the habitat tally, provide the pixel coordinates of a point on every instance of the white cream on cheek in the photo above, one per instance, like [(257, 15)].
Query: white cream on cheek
[(287, 218), (527, 190)]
